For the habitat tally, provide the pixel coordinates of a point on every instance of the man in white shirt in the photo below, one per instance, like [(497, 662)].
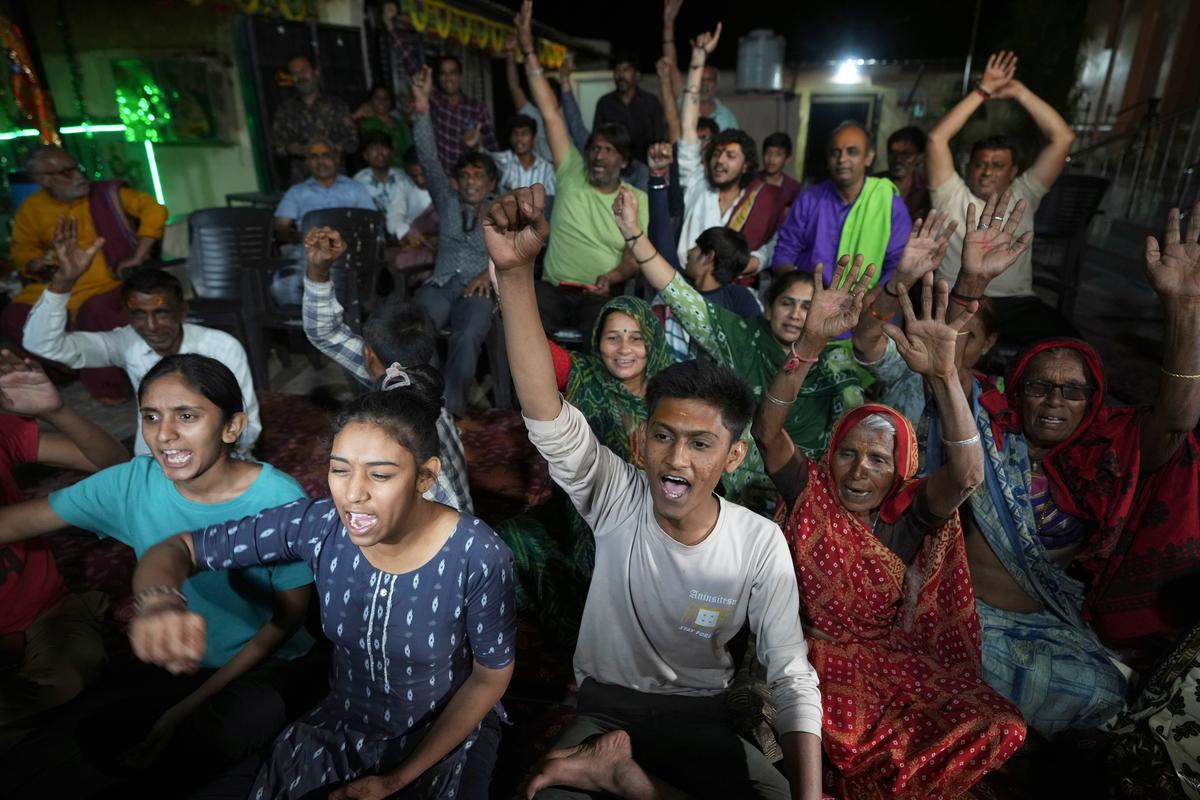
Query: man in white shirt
[(678, 572), (1021, 316), (521, 165), (394, 192), (154, 302)]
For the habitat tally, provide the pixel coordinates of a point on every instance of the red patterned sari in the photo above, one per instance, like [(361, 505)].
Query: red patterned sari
[(906, 711)]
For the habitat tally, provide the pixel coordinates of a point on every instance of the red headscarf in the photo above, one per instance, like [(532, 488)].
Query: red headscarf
[(1092, 474), (905, 455)]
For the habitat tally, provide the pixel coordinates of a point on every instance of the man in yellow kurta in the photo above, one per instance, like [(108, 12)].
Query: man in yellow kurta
[(129, 221)]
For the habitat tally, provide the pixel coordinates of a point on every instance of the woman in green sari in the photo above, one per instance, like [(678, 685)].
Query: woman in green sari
[(553, 549), (756, 349)]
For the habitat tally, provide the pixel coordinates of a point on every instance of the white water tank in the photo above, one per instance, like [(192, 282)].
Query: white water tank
[(760, 61)]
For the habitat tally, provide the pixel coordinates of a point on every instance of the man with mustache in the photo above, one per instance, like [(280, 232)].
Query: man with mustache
[(721, 184), (307, 115), (640, 112), (126, 222), (993, 169)]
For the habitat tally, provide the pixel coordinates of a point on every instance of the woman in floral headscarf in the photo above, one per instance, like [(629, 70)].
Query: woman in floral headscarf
[(886, 596)]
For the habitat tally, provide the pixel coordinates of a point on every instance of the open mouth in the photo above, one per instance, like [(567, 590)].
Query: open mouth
[(176, 459), (675, 487), (855, 495), (360, 524), (1051, 422)]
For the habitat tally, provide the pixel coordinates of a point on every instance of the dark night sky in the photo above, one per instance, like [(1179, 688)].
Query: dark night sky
[(883, 29)]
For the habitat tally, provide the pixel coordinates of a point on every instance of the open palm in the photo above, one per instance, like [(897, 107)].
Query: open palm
[(925, 248), (25, 388), (927, 344), (1174, 268), (992, 246), (836, 309), (73, 260), (515, 228)]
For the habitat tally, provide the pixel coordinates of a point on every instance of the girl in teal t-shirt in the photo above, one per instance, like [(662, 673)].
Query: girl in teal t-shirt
[(192, 413)]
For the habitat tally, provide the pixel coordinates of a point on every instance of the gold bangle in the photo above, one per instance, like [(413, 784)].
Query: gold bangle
[(1178, 375)]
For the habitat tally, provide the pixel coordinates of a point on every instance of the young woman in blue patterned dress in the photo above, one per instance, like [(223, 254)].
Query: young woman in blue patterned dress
[(416, 598)]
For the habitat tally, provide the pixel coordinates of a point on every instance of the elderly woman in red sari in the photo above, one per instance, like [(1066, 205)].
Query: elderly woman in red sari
[(886, 596)]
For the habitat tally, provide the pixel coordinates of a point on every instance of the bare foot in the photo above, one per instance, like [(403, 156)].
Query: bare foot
[(601, 764)]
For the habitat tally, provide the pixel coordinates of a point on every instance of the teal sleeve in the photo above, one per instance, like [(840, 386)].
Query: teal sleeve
[(98, 502)]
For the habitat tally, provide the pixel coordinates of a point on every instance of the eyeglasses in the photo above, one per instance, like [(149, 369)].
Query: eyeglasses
[(61, 173), (1069, 391)]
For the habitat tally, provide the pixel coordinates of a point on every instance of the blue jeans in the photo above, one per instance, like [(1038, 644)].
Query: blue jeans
[(468, 319)]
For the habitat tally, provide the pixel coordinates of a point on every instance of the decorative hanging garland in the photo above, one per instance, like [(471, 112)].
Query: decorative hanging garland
[(31, 99), (443, 21)]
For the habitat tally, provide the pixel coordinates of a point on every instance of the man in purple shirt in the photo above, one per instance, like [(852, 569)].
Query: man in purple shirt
[(453, 114), (812, 233)]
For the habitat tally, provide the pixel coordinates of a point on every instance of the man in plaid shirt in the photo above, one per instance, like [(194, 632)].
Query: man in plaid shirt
[(398, 330), (454, 114)]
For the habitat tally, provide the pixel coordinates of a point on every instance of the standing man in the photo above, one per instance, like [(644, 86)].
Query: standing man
[(906, 168), (309, 115), (992, 170), (586, 252), (710, 105), (847, 214), (640, 112), (453, 114), (723, 189), (459, 293), (127, 223)]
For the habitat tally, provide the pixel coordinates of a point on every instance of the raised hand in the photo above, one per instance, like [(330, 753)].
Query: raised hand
[(524, 25), (659, 158), (836, 309), (926, 247), (322, 247), (515, 228), (665, 69), (472, 137), (73, 260), (707, 41), (625, 211), (670, 12), (422, 87), (564, 72), (992, 246), (25, 388), (999, 71), (1174, 268), (927, 344)]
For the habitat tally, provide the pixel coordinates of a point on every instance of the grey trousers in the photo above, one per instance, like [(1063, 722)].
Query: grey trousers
[(687, 742)]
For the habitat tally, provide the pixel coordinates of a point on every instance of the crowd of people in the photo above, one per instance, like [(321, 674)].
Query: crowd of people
[(779, 469)]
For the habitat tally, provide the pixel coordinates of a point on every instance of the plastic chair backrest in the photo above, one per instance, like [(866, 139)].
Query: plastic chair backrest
[(220, 242), (1069, 206)]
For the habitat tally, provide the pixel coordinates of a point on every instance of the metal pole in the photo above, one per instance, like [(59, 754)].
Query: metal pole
[(966, 83)]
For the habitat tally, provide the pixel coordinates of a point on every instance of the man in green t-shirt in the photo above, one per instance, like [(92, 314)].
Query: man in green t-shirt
[(585, 260)]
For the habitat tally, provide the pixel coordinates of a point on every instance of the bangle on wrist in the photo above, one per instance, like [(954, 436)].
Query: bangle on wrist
[(963, 299), (984, 93), (887, 288), (646, 260), (962, 442), (150, 592), (877, 315), (629, 240), (1181, 376), (772, 398), (533, 71)]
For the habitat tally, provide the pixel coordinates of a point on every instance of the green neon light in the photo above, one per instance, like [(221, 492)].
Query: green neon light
[(28, 132), (158, 193)]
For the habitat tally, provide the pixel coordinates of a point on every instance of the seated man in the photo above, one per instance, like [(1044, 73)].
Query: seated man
[(379, 177), (678, 572), (992, 170), (586, 257), (906, 168), (154, 302), (52, 638), (325, 188), (520, 165), (459, 293), (398, 332), (723, 189), (848, 214), (776, 153), (102, 211)]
